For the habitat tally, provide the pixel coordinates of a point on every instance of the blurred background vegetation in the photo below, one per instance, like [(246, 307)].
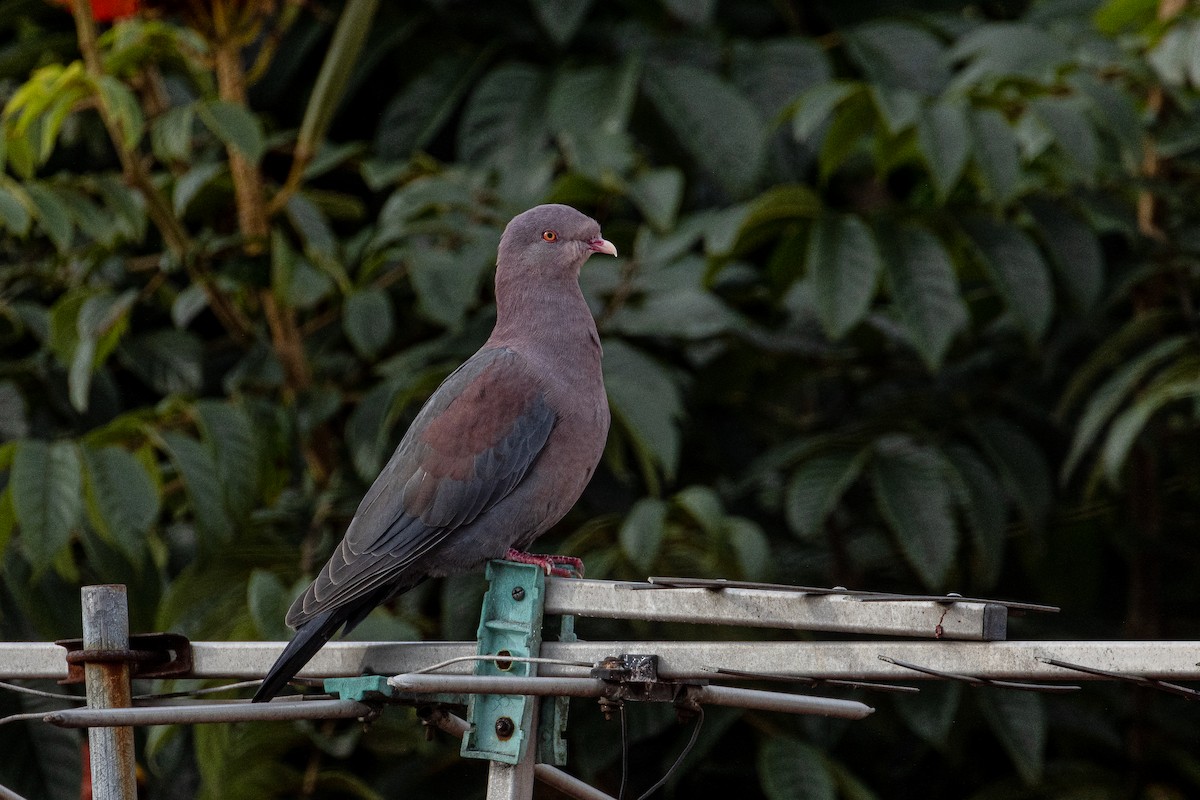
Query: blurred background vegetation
[(907, 302)]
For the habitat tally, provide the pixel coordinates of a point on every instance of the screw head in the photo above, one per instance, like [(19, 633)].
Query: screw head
[(505, 729), (518, 593)]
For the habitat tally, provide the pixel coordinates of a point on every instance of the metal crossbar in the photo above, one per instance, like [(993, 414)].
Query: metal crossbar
[(944, 638)]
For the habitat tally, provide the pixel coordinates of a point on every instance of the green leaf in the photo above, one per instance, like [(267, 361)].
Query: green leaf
[(899, 108), (122, 500), (1126, 428), (167, 359), (1019, 721), (14, 415), (850, 134), (229, 435), (171, 133), (641, 532), (646, 404), (997, 153), (704, 506), (1075, 250), (675, 303), (367, 321), (926, 292), (503, 122), (321, 245), (1021, 464), (561, 18), (772, 72), (843, 264), (714, 122), (447, 284), (1120, 16), (1105, 401), (268, 601), (980, 495), (8, 518), (789, 769), (51, 214), (816, 104), (14, 214), (750, 546), (47, 489), (910, 487), (696, 13), (123, 105), (1073, 132), (343, 52), (999, 51), (658, 194), (817, 486), (235, 126), (196, 467), (945, 140), (931, 713), (1019, 273), (189, 185), (416, 115), (899, 54), (368, 430)]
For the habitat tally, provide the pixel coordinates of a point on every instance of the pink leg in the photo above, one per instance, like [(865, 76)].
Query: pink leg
[(563, 566)]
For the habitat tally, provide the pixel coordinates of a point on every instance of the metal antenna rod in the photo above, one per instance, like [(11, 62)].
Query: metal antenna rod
[(106, 628)]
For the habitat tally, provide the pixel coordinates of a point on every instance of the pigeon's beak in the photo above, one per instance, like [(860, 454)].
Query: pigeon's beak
[(602, 246)]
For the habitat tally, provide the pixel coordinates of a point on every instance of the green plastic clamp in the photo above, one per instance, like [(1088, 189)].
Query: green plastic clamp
[(510, 623), (552, 722), (364, 687)]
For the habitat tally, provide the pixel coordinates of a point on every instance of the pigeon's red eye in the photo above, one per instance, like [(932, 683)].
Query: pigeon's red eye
[(550, 236)]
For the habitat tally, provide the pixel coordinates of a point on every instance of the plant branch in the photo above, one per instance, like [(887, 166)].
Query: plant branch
[(158, 209)]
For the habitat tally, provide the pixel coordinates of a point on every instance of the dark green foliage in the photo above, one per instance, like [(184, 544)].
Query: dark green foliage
[(907, 301)]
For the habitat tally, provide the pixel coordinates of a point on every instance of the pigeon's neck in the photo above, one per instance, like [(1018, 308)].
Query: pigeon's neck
[(547, 316)]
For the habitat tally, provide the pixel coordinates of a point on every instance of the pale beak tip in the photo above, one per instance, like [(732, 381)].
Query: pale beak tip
[(603, 246)]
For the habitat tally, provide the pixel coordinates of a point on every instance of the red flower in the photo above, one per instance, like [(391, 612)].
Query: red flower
[(108, 10)]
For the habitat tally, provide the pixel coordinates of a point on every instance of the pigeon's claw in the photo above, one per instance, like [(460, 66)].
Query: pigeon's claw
[(562, 566)]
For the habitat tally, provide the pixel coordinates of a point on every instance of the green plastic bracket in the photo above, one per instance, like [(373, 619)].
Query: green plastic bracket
[(365, 687), (509, 624), (552, 721)]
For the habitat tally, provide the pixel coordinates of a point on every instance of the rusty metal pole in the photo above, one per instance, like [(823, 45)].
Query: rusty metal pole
[(106, 628)]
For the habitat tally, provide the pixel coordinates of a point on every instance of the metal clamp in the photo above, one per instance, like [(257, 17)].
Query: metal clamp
[(149, 655)]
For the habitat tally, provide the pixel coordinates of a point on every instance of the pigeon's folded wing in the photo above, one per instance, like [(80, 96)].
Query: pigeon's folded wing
[(467, 450)]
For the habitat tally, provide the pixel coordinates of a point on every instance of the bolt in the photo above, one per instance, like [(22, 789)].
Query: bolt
[(505, 729), (518, 593)]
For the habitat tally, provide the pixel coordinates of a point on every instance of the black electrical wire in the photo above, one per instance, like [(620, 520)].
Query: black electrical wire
[(687, 749)]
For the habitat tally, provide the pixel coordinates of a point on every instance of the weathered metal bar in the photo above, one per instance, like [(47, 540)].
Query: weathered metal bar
[(778, 608), (593, 687), (9, 794), (106, 628), (552, 776), (208, 712), (568, 784), (515, 781), (30, 660), (859, 660)]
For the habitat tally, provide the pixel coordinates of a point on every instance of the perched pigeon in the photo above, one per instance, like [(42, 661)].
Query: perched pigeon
[(499, 453)]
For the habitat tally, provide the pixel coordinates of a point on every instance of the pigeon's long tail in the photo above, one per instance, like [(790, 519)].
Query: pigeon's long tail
[(309, 638), (312, 636)]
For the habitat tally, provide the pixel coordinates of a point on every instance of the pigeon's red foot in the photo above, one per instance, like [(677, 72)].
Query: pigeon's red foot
[(562, 566)]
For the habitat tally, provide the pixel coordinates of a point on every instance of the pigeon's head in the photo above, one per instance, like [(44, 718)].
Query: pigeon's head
[(552, 239)]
